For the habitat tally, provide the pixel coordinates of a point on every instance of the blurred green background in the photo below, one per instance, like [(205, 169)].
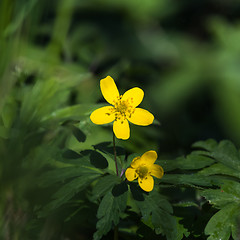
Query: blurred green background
[(185, 55)]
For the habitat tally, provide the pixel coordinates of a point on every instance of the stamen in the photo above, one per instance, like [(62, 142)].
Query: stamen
[(142, 171), (123, 108)]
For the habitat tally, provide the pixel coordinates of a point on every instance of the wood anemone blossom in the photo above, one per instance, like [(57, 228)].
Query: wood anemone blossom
[(123, 108), (143, 168)]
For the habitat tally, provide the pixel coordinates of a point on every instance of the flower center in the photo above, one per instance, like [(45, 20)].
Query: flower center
[(142, 171), (123, 108)]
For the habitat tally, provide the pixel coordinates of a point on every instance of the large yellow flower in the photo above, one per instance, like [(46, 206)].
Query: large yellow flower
[(144, 168), (123, 109)]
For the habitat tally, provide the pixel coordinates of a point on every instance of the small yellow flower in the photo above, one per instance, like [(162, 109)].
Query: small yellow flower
[(144, 168), (123, 109)]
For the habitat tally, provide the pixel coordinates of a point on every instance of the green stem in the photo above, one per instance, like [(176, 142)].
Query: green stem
[(115, 159), (115, 153), (115, 233)]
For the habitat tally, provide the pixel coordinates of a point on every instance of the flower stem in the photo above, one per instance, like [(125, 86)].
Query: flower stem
[(115, 159), (115, 233), (115, 153)]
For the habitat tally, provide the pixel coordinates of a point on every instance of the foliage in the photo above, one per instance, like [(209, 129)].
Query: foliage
[(57, 169)]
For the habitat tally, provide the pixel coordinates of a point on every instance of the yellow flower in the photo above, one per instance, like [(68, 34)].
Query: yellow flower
[(123, 109), (144, 168)]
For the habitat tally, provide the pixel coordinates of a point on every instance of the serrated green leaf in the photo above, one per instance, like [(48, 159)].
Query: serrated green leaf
[(187, 179), (225, 221), (227, 154), (202, 153), (219, 169), (217, 197), (164, 223), (192, 161), (208, 145), (159, 209), (105, 184), (220, 225), (232, 187), (181, 230), (235, 228), (109, 212)]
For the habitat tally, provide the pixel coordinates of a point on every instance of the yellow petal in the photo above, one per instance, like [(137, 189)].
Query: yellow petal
[(156, 171), (109, 90), (141, 117), (136, 162), (146, 183), (102, 115), (134, 96), (131, 174), (149, 157), (121, 129)]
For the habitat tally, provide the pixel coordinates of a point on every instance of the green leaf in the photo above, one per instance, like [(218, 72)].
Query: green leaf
[(98, 160), (217, 197), (4, 132), (181, 230), (42, 99), (192, 161), (104, 185), (78, 134), (187, 179), (109, 212), (70, 154), (219, 169), (208, 145), (107, 147), (110, 162), (227, 154), (225, 221), (232, 187), (69, 190), (62, 174), (76, 112), (159, 209), (220, 225), (8, 113)]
